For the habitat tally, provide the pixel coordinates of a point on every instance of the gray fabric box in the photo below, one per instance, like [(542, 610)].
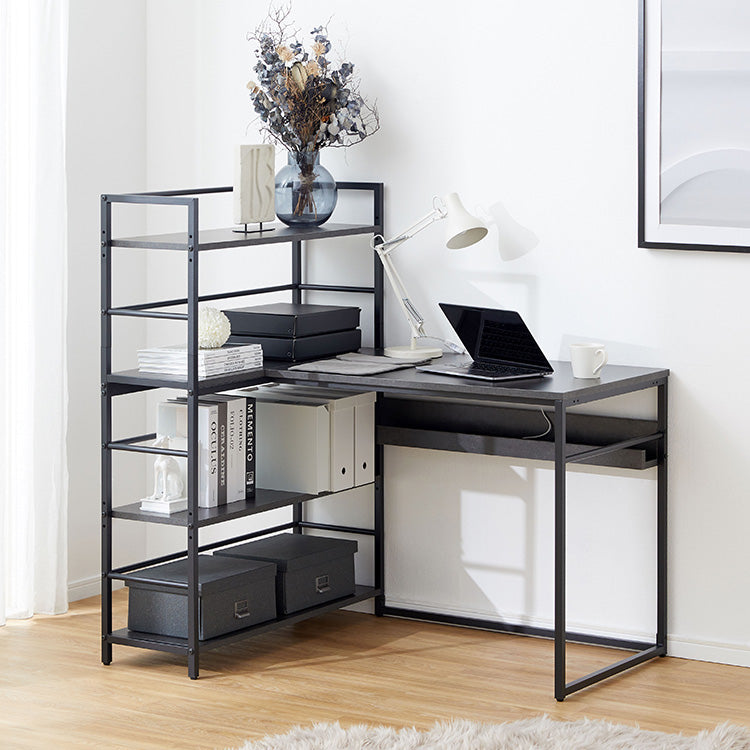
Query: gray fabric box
[(233, 594), (310, 569)]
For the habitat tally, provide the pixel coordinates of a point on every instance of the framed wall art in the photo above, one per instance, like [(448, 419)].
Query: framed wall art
[(694, 125)]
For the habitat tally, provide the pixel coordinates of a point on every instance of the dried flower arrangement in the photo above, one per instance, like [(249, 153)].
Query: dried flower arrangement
[(304, 102)]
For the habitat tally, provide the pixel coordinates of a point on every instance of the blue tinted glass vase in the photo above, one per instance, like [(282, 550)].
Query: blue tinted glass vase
[(305, 191)]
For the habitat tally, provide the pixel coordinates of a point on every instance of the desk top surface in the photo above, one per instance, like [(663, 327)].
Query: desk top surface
[(560, 386)]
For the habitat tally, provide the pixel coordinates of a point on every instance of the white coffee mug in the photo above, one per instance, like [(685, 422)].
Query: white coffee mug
[(587, 359)]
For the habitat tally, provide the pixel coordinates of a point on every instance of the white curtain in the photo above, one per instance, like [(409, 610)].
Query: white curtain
[(33, 270)]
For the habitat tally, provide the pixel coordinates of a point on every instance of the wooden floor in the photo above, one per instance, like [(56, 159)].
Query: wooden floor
[(346, 667)]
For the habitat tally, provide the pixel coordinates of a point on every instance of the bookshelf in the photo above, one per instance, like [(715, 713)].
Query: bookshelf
[(192, 242)]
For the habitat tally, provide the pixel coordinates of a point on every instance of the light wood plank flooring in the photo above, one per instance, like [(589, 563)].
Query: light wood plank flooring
[(346, 667)]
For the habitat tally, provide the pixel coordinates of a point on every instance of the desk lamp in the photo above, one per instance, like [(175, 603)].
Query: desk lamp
[(462, 230)]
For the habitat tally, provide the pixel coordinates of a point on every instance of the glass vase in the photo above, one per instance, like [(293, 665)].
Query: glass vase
[(305, 190)]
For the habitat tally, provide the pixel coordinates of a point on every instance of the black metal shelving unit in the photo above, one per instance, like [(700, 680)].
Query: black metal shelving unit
[(193, 242)]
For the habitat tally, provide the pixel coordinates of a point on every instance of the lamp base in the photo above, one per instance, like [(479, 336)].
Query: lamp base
[(413, 354)]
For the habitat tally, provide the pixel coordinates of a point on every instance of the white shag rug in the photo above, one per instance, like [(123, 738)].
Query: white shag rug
[(541, 733)]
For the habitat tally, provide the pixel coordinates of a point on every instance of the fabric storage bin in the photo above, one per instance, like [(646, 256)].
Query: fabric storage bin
[(310, 569), (233, 594)]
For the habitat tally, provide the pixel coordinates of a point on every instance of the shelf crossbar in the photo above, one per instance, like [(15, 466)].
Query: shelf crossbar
[(146, 312), (335, 527), (121, 573), (336, 288), (143, 306), (133, 445), (152, 581)]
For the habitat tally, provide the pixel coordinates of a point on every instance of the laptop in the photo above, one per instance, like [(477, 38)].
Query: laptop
[(499, 343)]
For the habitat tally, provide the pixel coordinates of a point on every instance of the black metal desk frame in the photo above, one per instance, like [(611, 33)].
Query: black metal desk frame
[(621, 442), (640, 444)]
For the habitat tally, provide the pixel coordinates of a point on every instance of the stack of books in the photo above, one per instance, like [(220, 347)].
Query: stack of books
[(226, 448), (172, 360)]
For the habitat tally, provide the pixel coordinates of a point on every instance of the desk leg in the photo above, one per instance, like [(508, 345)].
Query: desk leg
[(560, 467), (661, 524)]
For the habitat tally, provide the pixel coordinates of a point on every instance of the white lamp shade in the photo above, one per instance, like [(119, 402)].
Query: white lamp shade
[(462, 228)]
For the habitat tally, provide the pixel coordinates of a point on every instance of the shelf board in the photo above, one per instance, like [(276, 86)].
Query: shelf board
[(215, 239), (264, 500), (180, 645), (128, 381)]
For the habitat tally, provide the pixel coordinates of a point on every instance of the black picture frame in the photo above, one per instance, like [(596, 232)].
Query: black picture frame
[(652, 233)]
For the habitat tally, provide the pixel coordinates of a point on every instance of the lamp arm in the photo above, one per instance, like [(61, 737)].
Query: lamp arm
[(412, 315), (385, 247), (388, 246)]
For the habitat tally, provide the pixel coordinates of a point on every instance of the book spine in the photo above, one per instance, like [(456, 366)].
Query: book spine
[(236, 483), (208, 437), (222, 453), (250, 421), (241, 444)]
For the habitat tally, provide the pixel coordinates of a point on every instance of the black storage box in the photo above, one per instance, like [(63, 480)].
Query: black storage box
[(289, 320), (299, 349), (310, 569), (233, 595)]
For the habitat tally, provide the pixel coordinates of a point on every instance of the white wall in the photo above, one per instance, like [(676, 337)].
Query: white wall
[(532, 105), (106, 143)]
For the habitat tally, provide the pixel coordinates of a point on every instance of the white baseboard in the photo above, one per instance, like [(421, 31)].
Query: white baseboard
[(87, 587), (736, 654)]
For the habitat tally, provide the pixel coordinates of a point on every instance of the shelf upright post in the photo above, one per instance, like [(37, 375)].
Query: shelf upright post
[(378, 343), (193, 245), (296, 272), (378, 311), (379, 515), (560, 502), (106, 426), (297, 514)]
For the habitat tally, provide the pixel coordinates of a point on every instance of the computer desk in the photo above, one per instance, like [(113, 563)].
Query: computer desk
[(438, 412)]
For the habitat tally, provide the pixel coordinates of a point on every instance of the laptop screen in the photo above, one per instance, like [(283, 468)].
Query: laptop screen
[(498, 336)]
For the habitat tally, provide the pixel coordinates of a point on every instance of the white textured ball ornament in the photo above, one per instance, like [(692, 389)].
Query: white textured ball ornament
[(213, 328)]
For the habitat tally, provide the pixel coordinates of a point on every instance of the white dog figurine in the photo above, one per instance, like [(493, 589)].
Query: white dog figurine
[(168, 484)]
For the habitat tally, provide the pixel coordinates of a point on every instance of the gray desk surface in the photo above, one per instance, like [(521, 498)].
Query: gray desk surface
[(560, 386)]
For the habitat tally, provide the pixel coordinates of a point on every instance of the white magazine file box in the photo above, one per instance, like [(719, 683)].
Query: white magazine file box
[(314, 439)]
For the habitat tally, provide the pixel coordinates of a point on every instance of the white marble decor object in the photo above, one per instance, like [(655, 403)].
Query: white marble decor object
[(254, 170)]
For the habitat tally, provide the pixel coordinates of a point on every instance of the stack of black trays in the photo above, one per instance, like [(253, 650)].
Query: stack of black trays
[(296, 332)]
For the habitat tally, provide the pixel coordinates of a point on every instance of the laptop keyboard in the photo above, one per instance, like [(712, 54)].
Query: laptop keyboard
[(489, 368)]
